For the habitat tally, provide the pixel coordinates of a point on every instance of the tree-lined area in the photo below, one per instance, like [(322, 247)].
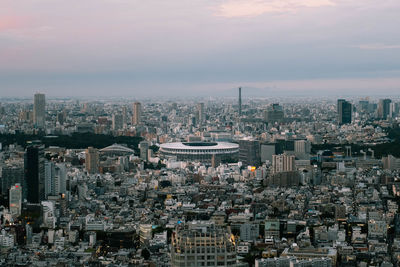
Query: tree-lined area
[(390, 148), (73, 141)]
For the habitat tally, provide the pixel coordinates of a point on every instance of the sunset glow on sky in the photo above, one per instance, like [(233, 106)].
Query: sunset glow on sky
[(132, 47)]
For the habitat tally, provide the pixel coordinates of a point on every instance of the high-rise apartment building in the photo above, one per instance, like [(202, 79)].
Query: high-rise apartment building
[(200, 115), (55, 181), (202, 244), (60, 179), (117, 122), (15, 200), (283, 163), (39, 110), (35, 174), (137, 113), (49, 170), (384, 108), (144, 147), (124, 116), (344, 111), (92, 160)]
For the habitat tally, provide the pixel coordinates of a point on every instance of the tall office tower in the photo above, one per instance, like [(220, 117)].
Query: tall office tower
[(144, 147), (392, 110), (39, 110), (117, 122), (49, 170), (240, 101), (200, 113), (34, 174), (137, 113), (15, 200), (274, 113), (202, 244), (55, 181), (344, 111), (249, 152), (283, 163), (60, 179), (92, 160), (384, 108), (124, 116)]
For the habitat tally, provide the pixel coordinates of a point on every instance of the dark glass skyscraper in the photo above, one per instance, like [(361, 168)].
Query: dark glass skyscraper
[(344, 110), (34, 174), (384, 108), (249, 152)]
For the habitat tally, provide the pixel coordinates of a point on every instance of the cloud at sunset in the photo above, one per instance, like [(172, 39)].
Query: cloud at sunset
[(250, 8), (186, 44)]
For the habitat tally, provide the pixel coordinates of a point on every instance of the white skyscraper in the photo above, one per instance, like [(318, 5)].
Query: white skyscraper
[(15, 200), (39, 110)]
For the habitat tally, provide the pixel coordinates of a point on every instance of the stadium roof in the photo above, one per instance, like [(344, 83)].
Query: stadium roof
[(116, 148), (199, 146)]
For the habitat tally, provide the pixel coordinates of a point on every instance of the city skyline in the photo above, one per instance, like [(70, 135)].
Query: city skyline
[(211, 182), (241, 133)]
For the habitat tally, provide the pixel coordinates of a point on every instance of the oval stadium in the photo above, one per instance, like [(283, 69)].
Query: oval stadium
[(200, 151)]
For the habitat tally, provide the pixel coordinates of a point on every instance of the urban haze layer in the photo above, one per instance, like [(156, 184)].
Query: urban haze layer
[(234, 181)]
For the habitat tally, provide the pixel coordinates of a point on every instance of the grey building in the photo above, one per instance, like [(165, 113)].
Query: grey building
[(249, 152)]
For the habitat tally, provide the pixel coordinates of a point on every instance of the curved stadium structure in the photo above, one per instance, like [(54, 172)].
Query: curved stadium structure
[(200, 151), (117, 150)]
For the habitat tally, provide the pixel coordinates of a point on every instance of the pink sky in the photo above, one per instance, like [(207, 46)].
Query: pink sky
[(118, 44)]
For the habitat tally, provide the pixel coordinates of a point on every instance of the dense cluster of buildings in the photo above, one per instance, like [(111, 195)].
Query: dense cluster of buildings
[(208, 183)]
